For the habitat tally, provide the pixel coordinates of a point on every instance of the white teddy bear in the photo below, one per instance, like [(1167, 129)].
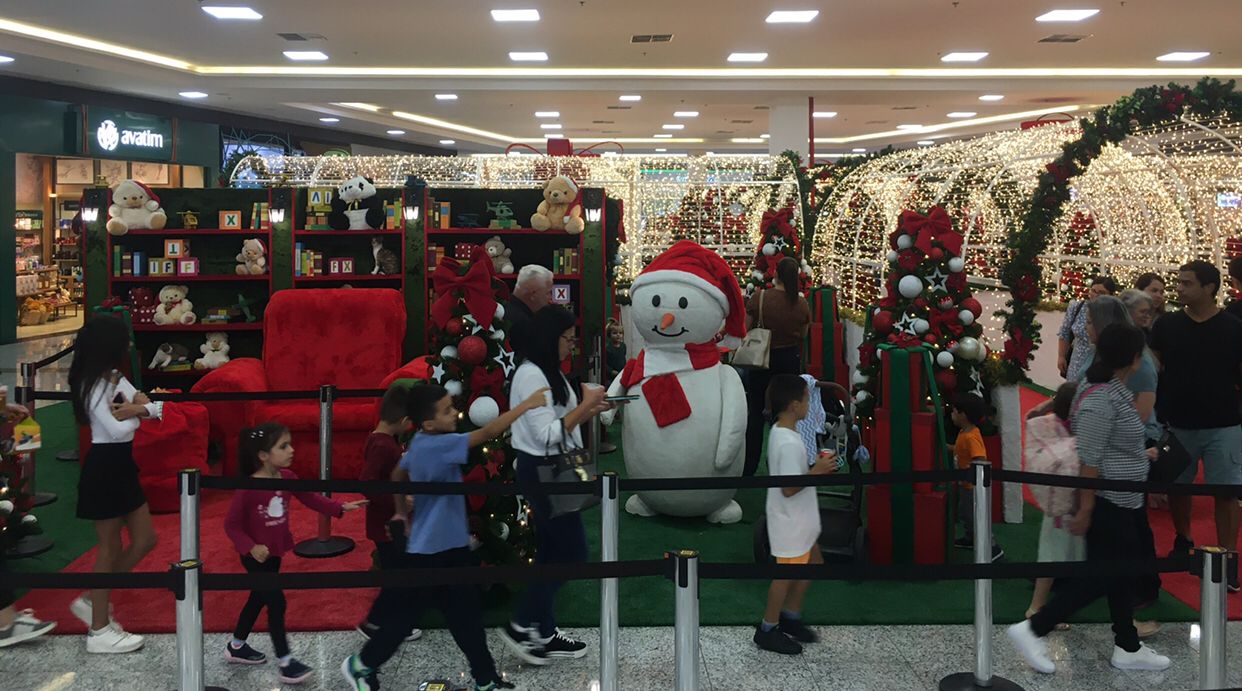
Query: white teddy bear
[(134, 206), (215, 351), (174, 308)]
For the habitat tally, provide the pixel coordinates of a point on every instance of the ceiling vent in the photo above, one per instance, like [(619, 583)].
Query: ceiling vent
[(1062, 38), (876, 122), (725, 131), (302, 37), (763, 108), (740, 122), (651, 38), (603, 122), (1054, 99), (619, 107), (905, 107)]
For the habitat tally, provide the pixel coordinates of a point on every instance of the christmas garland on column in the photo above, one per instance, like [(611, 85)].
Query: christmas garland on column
[(1144, 108), (816, 184)]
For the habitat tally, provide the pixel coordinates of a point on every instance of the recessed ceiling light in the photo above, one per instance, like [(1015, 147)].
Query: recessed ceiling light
[(824, 114), (747, 57), (528, 56), (631, 97), (860, 151), (329, 119), (446, 97), (220, 12), (551, 126), (991, 97), (925, 142), (547, 113), (551, 135), (515, 15), (686, 114), (186, 94), (792, 16), (396, 133), (662, 136), (1066, 15), (674, 127), (360, 106), (765, 136), (660, 151), (963, 57), (962, 114), (909, 127), (448, 142), (1183, 56), (306, 55)]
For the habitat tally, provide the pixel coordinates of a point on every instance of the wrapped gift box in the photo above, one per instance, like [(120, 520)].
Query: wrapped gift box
[(925, 452), (921, 537)]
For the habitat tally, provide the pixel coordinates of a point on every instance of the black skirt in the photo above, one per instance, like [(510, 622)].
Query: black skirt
[(108, 485)]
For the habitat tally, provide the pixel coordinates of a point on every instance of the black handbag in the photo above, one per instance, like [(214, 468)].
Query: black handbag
[(1171, 461), (570, 465)]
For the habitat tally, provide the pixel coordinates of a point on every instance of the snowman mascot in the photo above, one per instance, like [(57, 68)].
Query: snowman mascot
[(690, 418)]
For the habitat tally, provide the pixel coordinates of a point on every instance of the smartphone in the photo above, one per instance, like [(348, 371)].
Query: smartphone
[(620, 399)]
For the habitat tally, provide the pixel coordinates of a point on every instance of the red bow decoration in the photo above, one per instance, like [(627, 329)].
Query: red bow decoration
[(941, 320), (475, 288), (476, 476), (936, 225), (866, 356), (1173, 100), (957, 281), (904, 339), (1018, 348), (1025, 289), (485, 382), (778, 218), (908, 261)]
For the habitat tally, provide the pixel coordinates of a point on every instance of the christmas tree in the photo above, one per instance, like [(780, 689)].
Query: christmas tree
[(777, 239), (928, 303), (473, 362)]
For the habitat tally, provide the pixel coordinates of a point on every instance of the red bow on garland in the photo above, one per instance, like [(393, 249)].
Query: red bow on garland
[(475, 287), (778, 218), (485, 382), (944, 321), (1018, 348), (936, 225)]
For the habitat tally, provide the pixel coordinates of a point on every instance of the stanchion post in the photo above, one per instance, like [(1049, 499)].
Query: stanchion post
[(610, 515), (188, 486), (25, 396), (325, 544), (189, 625), (686, 620), (1212, 615), (981, 677)]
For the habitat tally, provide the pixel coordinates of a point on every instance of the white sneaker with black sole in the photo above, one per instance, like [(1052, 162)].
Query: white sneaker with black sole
[(520, 640), (562, 646), (25, 627), (111, 640), (1144, 659)]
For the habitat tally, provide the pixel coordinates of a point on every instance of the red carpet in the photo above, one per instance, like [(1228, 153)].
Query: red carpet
[(1184, 587), (144, 611)]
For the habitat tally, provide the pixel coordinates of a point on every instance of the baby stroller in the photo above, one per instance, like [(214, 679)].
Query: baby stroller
[(842, 537)]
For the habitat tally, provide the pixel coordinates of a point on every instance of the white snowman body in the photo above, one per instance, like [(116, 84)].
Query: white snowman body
[(710, 442)]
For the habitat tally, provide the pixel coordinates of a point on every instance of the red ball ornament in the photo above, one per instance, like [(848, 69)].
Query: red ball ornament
[(937, 254), (972, 305), (882, 322), (946, 379), (472, 350), (454, 327), (930, 338)]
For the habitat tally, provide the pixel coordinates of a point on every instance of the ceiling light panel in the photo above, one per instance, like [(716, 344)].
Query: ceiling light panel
[(792, 16), (747, 140), (686, 114), (360, 106), (662, 136), (448, 142), (4, 59), (674, 127), (962, 114), (747, 57), (528, 56), (925, 142), (1183, 56), (550, 126), (306, 55), (824, 114), (396, 133), (547, 113), (991, 97), (631, 98), (223, 12), (1066, 15), (963, 56), (183, 94), (329, 119), (446, 97), (515, 15)]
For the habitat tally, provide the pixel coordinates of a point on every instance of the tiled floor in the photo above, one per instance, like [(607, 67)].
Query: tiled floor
[(891, 658)]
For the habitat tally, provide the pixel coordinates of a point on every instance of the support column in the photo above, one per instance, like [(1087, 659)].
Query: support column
[(789, 128)]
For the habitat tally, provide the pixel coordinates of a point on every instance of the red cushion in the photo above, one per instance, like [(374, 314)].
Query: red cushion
[(350, 337), (301, 416)]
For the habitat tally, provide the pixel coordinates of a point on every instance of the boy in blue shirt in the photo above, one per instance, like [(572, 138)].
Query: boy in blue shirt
[(438, 537)]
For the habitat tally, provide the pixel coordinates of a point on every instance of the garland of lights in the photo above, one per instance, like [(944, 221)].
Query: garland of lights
[(816, 183), (1145, 108)]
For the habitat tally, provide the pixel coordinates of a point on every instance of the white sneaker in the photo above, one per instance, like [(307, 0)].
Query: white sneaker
[(1032, 648), (1143, 659), (112, 639), (82, 608), (25, 627)]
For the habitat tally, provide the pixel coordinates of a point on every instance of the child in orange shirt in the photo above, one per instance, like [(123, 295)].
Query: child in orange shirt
[(967, 412)]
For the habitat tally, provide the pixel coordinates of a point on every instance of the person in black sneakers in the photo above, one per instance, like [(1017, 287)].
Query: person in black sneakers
[(793, 516), (439, 536)]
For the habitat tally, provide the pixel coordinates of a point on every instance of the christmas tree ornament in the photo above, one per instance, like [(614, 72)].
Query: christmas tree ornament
[(882, 322), (472, 350), (956, 264), (859, 378), (946, 303), (454, 327), (910, 286), (448, 352), (975, 307), (904, 242), (968, 348), (891, 256), (6, 507), (921, 326), (966, 317), (498, 335), (944, 358), (500, 311), (938, 280), (757, 275), (483, 410), (861, 396), (505, 359), (769, 249), (501, 529), (453, 387), (437, 371)]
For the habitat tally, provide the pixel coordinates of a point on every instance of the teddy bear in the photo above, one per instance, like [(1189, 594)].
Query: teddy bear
[(174, 308), (142, 304), (561, 208), (500, 255), (134, 206), (252, 260), (356, 206), (169, 354), (215, 351)]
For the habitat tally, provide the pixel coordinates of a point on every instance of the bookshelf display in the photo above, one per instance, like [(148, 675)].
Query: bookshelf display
[(327, 258)]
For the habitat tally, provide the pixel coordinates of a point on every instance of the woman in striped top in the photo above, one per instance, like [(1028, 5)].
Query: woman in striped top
[(1110, 443)]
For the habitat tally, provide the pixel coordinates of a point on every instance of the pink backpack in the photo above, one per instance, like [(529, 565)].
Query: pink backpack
[(1050, 448)]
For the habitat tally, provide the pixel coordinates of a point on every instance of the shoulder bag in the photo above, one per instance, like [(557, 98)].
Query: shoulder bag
[(1069, 354), (570, 465), (757, 346), (1172, 459)]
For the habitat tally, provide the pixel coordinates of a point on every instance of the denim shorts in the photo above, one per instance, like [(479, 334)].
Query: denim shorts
[(1221, 451)]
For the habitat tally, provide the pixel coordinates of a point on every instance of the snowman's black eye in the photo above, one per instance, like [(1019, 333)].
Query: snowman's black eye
[(655, 301), (683, 303)]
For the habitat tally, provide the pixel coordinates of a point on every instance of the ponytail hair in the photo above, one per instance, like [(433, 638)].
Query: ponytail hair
[(787, 272), (256, 440)]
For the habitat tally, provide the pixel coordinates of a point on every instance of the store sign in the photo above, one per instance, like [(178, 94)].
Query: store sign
[(126, 134)]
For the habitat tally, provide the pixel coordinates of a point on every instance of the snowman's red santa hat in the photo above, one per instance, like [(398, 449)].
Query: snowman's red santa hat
[(690, 263), (143, 186)]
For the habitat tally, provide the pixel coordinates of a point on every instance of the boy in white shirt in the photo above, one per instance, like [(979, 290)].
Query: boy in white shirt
[(792, 515)]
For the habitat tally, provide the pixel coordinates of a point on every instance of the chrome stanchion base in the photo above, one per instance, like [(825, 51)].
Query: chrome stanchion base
[(315, 548), (965, 681), (70, 455), (30, 546), (44, 498), (607, 447)]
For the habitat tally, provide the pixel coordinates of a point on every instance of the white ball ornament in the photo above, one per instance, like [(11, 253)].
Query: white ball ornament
[(500, 311), (29, 520), (453, 387), (946, 303), (501, 530), (860, 378), (483, 410), (861, 396), (769, 249), (982, 354), (910, 286), (967, 317), (6, 507), (904, 242), (448, 352), (921, 326), (968, 348), (757, 275), (944, 358), (498, 335), (891, 256), (956, 264)]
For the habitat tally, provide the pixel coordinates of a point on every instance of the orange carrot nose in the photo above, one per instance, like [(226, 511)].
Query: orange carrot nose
[(667, 320)]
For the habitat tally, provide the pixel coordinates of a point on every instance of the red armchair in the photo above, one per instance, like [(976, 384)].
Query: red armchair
[(348, 337)]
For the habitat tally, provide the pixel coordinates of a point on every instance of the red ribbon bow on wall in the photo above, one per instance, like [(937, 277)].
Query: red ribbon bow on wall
[(936, 225), (476, 291)]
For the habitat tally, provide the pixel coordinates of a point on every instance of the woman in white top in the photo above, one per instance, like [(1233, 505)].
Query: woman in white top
[(540, 433), (108, 490)]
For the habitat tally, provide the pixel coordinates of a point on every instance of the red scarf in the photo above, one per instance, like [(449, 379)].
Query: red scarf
[(662, 390)]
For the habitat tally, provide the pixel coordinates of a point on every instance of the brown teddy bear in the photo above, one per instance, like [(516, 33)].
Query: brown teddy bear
[(252, 260), (500, 255), (561, 208)]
